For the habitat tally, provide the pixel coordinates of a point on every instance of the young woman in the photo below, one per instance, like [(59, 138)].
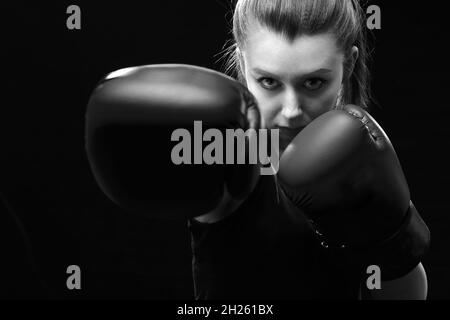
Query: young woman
[(300, 59), (338, 207)]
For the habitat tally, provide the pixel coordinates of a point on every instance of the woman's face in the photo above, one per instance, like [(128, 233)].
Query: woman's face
[(293, 83)]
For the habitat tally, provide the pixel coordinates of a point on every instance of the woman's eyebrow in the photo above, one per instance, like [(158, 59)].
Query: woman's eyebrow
[(274, 75)]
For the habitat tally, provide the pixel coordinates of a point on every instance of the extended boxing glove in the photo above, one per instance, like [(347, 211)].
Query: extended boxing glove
[(132, 134), (343, 173)]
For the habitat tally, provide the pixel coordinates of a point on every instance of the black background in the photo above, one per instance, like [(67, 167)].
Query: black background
[(49, 73)]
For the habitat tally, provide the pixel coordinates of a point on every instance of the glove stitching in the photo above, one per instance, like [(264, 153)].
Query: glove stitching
[(365, 121)]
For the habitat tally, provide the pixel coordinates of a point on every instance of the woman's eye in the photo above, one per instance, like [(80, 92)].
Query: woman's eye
[(314, 84), (268, 83)]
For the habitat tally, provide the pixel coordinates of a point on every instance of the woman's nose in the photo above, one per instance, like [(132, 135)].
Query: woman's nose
[(292, 107)]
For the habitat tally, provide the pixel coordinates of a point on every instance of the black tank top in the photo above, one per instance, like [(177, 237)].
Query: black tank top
[(266, 249)]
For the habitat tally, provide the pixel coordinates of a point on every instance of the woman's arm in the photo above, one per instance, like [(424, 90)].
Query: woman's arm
[(413, 286)]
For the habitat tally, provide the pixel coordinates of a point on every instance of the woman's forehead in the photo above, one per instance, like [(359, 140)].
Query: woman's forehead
[(272, 52)]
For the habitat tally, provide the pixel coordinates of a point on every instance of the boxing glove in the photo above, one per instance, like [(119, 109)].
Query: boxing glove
[(343, 173), (132, 128)]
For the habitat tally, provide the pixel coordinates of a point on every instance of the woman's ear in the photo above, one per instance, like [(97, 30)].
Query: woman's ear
[(240, 60), (349, 66), (354, 54), (339, 98)]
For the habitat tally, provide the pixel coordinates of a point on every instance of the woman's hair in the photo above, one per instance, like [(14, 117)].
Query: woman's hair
[(293, 18)]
